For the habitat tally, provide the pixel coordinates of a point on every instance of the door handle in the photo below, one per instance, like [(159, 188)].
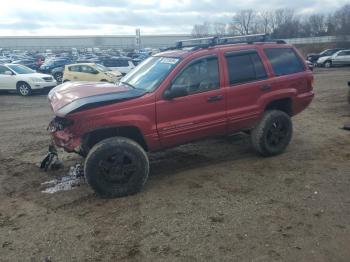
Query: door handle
[(265, 87), (215, 98)]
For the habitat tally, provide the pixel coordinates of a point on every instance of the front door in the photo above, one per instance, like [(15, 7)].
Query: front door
[(199, 111), (87, 73)]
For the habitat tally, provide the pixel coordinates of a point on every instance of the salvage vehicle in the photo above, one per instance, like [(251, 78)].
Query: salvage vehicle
[(90, 72), (53, 63), (14, 77), (202, 88), (313, 57), (339, 58), (122, 64)]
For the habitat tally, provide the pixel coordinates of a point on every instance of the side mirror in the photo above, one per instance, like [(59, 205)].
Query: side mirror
[(9, 73), (175, 91)]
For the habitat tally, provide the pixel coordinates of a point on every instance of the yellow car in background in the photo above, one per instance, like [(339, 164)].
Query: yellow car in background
[(90, 72)]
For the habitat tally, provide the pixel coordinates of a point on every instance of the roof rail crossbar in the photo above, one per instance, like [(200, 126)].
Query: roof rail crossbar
[(244, 39), (206, 42)]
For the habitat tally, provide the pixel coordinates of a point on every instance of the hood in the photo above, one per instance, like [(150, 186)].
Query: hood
[(75, 96), (323, 58)]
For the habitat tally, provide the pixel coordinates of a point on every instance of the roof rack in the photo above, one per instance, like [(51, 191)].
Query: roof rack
[(206, 42)]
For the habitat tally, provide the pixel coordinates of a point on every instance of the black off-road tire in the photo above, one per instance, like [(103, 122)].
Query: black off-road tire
[(24, 89), (273, 134), (105, 173)]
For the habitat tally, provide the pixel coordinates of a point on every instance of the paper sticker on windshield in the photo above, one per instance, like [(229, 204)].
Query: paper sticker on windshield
[(169, 60)]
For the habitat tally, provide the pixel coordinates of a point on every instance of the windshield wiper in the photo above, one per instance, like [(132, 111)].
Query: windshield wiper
[(125, 83)]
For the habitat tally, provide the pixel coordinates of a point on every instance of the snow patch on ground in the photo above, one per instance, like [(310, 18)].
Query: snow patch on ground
[(74, 179)]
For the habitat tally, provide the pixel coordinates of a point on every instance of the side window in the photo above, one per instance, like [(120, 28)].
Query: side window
[(74, 68), (245, 67), (124, 63), (87, 69), (3, 69), (200, 76), (341, 53), (284, 61)]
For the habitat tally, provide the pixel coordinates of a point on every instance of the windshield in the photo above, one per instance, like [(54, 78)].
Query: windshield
[(102, 68), (150, 73), (329, 52), (21, 70)]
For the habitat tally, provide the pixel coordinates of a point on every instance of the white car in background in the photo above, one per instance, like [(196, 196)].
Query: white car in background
[(15, 77), (341, 57), (122, 64)]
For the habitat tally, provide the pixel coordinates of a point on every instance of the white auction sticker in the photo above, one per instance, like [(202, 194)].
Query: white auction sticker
[(169, 60)]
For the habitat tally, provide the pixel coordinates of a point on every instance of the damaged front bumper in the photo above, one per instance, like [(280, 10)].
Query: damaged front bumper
[(61, 135)]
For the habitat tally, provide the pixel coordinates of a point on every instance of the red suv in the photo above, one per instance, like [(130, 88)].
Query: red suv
[(176, 97)]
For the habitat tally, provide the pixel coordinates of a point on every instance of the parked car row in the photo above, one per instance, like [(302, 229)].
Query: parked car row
[(49, 62), (330, 58)]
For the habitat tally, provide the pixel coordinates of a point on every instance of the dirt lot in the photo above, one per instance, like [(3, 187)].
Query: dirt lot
[(210, 201)]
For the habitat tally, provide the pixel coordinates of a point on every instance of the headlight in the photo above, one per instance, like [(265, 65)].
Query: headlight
[(59, 124), (36, 79)]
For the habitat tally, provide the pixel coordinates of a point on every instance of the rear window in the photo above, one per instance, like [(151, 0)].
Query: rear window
[(284, 61), (245, 67)]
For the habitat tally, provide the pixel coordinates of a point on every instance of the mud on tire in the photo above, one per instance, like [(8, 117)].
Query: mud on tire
[(273, 134), (116, 167)]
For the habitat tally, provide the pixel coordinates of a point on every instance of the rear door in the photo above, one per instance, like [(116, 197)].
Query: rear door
[(246, 80), (343, 58), (289, 71), (200, 112)]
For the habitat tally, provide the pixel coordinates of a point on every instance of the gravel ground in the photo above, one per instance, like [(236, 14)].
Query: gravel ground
[(214, 200)]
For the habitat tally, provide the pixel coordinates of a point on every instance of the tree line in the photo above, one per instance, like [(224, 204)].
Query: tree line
[(279, 23)]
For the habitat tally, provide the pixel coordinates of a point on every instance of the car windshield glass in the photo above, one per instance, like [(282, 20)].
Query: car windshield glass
[(102, 68), (329, 52), (150, 73), (21, 70)]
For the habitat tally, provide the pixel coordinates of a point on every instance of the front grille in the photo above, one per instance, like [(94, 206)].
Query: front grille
[(48, 79)]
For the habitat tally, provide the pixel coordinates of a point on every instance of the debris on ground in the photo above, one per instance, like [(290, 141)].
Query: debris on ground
[(74, 179), (51, 160)]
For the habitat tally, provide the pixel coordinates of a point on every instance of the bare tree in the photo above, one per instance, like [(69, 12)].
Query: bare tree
[(219, 29), (317, 24), (266, 22), (243, 21), (342, 20), (201, 30)]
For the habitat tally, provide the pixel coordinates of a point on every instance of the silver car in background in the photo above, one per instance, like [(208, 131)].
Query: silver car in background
[(339, 58)]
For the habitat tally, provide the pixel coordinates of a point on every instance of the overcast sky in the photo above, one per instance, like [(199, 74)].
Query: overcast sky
[(97, 17)]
